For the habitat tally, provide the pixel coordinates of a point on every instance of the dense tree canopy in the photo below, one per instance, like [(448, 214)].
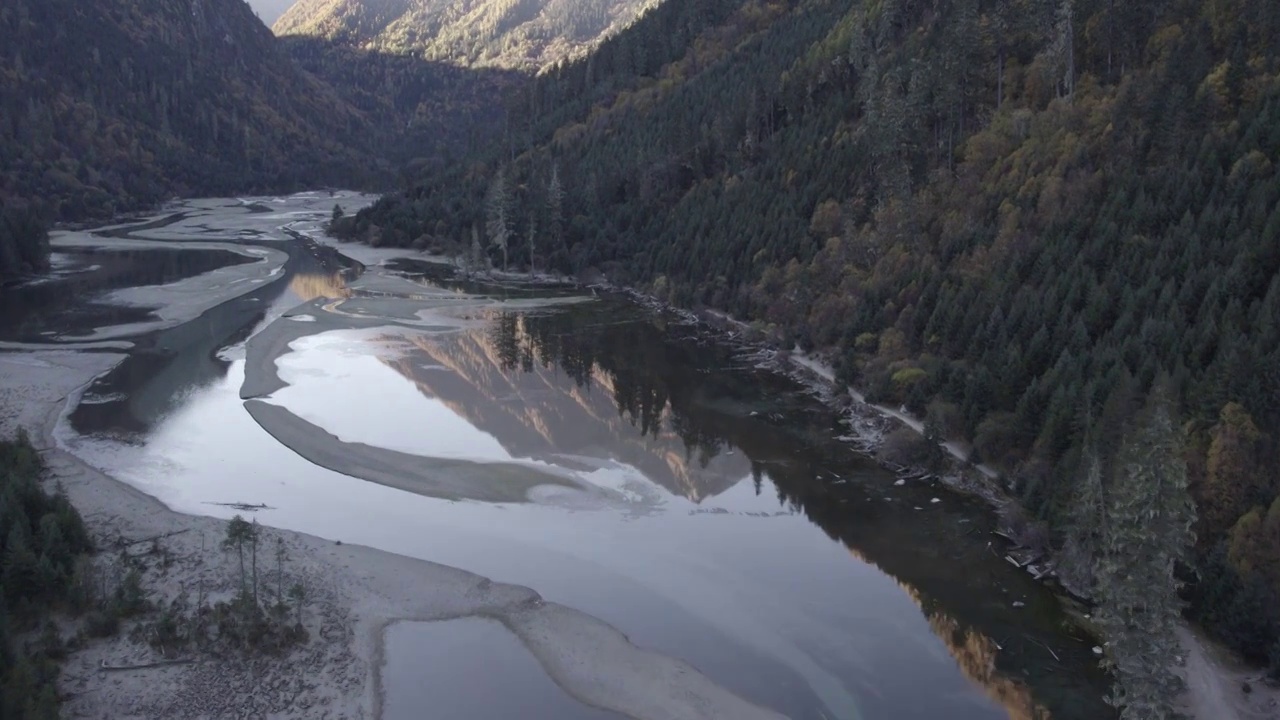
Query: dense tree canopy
[(24, 241), (42, 538)]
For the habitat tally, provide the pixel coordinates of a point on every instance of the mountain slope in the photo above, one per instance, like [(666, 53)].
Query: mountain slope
[(114, 104), (515, 34), (428, 112), (1010, 216)]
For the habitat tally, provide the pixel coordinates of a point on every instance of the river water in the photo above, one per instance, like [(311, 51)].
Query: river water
[(610, 457)]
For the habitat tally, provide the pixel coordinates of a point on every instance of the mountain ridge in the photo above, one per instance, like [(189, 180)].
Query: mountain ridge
[(527, 35)]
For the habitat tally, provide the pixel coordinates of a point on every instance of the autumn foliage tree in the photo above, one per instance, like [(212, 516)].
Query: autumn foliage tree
[(1235, 480)]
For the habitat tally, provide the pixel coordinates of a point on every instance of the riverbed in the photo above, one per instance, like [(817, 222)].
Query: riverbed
[(618, 461)]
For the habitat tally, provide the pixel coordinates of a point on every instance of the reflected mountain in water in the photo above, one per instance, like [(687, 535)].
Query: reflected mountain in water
[(552, 396), (975, 654), (603, 383), (1002, 647), (311, 285)]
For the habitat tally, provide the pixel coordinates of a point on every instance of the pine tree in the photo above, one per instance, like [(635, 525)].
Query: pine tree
[(498, 207), (253, 544), (477, 250), (532, 235), (555, 209), (1086, 530), (239, 531), (1147, 533), (281, 556)]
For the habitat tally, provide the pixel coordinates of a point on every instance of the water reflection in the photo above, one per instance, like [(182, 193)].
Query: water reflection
[(308, 286), (553, 387), (609, 381)]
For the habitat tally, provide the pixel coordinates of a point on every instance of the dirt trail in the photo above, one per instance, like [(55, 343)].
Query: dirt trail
[(1215, 683)]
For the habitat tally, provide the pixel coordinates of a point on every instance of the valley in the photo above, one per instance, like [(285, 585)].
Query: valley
[(720, 346)]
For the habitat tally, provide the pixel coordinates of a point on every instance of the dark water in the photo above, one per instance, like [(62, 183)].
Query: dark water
[(64, 304), (761, 549)]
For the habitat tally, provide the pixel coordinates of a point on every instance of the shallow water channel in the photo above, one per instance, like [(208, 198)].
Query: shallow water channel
[(611, 458)]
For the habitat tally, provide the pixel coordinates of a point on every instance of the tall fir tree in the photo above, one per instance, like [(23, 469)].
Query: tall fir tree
[(1147, 534)]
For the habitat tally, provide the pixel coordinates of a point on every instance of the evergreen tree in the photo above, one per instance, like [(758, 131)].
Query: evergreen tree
[(1086, 531), (555, 208), (239, 532), (531, 233), (498, 208), (1147, 534)]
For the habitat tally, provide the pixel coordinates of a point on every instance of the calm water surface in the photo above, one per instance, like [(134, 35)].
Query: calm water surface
[(731, 529), (479, 670), (67, 303)]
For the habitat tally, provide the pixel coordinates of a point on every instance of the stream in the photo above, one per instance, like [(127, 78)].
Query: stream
[(613, 458)]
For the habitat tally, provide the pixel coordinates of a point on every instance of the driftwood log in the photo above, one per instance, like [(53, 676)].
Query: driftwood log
[(143, 666)]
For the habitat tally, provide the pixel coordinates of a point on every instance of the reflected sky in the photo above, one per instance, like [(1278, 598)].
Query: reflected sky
[(468, 669), (341, 382)]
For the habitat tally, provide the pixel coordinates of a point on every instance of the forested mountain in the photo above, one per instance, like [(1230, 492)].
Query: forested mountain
[(1011, 216), (114, 104), (527, 35), (427, 112)]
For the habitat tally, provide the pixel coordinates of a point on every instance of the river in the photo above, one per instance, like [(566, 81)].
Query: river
[(611, 457)]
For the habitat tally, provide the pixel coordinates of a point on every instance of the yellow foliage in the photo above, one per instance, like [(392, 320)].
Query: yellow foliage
[(906, 377), (893, 344)]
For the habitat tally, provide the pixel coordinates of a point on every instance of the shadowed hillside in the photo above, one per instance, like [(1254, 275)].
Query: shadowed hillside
[(116, 104)]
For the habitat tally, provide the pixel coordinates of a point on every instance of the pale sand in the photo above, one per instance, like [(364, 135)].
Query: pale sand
[(354, 593), (438, 477)]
